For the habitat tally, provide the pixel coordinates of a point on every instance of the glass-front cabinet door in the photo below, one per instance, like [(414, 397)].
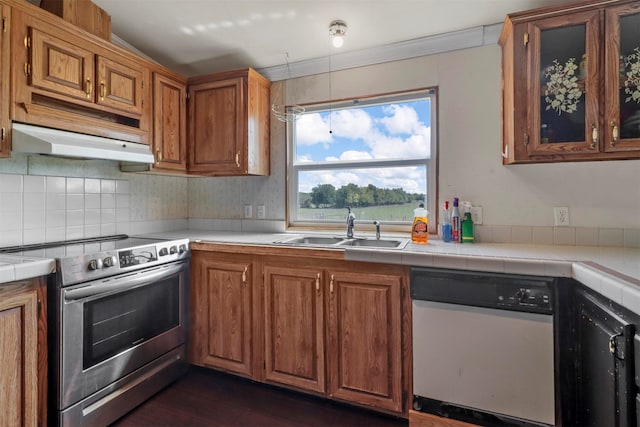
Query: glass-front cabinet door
[(622, 77), (564, 84)]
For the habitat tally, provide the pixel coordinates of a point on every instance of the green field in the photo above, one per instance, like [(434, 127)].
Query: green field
[(402, 212)]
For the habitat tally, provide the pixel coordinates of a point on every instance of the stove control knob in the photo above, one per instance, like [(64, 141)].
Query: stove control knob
[(95, 264), (522, 295), (163, 251), (173, 250), (109, 261), (182, 249)]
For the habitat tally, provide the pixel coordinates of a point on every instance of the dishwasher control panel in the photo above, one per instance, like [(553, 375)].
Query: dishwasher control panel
[(515, 292), (535, 297)]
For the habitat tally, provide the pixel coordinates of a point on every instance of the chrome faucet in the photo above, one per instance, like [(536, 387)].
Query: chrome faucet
[(350, 223), (377, 224)]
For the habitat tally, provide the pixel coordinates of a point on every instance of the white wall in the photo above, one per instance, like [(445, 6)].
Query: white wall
[(600, 195)]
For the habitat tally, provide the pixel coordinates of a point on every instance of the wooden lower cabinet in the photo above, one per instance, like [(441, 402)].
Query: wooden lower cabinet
[(221, 313), (364, 335), (294, 327), (329, 327), (18, 354)]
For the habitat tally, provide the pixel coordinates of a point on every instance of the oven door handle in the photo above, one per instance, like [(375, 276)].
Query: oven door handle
[(126, 282)]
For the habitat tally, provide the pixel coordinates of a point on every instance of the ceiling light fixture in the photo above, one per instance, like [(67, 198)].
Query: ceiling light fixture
[(337, 29)]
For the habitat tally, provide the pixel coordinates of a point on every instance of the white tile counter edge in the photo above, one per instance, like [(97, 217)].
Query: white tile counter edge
[(14, 268)]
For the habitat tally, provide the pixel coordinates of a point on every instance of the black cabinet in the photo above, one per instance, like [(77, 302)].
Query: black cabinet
[(605, 388)]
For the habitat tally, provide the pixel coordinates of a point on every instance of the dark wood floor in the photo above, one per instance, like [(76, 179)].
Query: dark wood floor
[(208, 398)]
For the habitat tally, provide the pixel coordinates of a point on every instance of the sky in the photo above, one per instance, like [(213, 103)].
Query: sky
[(393, 131)]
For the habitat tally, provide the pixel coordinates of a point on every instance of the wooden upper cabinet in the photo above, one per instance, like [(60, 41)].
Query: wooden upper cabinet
[(169, 123), (364, 361), (221, 296), (119, 85), (61, 67), (622, 79), (67, 79), (294, 327), (569, 83), (565, 85), (229, 124), (18, 355), (5, 57)]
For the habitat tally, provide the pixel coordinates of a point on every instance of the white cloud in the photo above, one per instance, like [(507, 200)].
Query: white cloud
[(352, 124), (355, 155), (399, 135), (312, 129), (401, 120), (302, 158), (386, 146)]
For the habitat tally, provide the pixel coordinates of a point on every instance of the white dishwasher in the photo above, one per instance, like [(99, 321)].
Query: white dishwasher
[(483, 346)]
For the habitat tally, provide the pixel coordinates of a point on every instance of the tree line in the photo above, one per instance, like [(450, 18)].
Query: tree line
[(327, 196)]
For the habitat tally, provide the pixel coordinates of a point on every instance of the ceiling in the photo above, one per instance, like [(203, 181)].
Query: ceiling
[(194, 37)]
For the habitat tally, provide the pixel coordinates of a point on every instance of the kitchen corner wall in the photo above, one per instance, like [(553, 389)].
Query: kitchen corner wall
[(517, 200), (51, 199)]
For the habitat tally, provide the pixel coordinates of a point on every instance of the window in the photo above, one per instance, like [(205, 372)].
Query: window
[(374, 155)]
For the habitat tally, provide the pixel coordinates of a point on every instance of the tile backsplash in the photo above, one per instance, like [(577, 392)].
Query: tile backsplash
[(49, 199), (37, 209)]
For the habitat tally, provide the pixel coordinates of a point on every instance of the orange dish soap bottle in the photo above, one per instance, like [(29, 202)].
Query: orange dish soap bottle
[(420, 228)]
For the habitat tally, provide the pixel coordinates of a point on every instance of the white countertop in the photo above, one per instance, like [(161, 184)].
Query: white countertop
[(14, 268), (614, 272)]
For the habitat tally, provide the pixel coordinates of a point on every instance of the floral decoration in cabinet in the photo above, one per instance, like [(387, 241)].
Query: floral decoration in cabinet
[(562, 90), (630, 68)]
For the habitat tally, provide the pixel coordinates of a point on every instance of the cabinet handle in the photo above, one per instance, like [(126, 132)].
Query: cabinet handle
[(594, 136), (614, 133), (158, 156), (3, 134), (318, 282), (88, 88), (238, 159), (244, 276), (526, 139), (103, 91), (505, 153), (331, 284)]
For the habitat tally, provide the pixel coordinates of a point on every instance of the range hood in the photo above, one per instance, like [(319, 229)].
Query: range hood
[(53, 142)]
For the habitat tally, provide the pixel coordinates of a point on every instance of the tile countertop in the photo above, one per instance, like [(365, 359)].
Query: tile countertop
[(14, 268), (613, 272)]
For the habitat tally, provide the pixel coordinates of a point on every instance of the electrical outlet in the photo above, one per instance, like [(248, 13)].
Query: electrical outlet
[(248, 211), (476, 214), (260, 213), (561, 216)]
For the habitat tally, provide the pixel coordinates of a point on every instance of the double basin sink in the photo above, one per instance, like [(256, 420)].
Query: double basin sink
[(343, 242)]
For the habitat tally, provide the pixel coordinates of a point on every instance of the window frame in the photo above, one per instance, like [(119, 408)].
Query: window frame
[(431, 163)]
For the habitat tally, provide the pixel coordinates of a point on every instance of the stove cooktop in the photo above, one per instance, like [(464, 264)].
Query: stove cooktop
[(88, 259)]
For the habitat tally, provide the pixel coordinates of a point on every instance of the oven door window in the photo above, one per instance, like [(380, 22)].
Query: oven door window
[(123, 320)]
